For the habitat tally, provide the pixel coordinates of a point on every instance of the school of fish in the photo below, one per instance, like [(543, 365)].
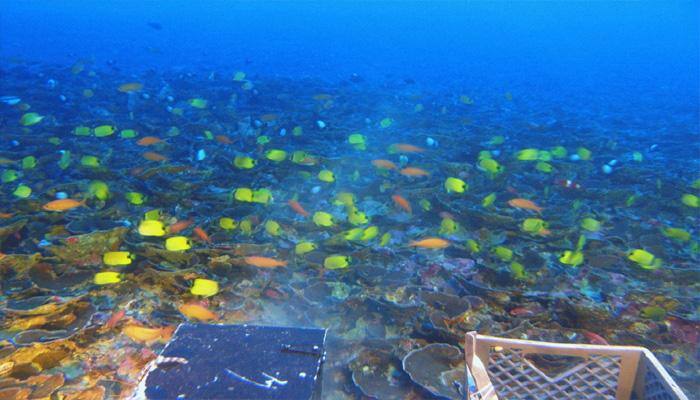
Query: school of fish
[(413, 219)]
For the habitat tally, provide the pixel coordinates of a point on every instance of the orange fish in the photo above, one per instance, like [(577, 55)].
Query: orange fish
[(264, 262), (430, 243), (384, 164), (413, 171), (308, 161), (149, 140), (522, 312), (114, 319), (147, 335), (406, 148), (461, 318), (197, 311), (152, 156), (298, 208), (401, 202), (223, 139), (268, 117), (180, 226), (201, 234), (130, 87), (595, 338), (525, 204), (6, 215), (62, 205)]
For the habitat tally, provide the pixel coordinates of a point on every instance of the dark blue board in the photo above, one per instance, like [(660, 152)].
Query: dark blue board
[(239, 362)]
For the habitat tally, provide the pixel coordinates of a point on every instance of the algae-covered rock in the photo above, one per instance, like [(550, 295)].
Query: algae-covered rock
[(88, 248)]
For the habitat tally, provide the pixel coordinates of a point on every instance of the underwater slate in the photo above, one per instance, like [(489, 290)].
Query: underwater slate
[(238, 362)]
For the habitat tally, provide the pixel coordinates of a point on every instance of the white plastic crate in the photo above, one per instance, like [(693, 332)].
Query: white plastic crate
[(507, 369)]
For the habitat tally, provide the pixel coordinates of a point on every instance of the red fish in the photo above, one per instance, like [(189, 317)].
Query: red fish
[(298, 208), (405, 148), (384, 164), (595, 338), (63, 205), (223, 139), (522, 312), (114, 319), (149, 140), (414, 172), (180, 226), (201, 234), (430, 243), (264, 262), (525, 204), (402, 202), (153, 156)]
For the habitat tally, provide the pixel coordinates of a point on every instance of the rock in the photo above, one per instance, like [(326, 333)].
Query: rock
[(436, 367)]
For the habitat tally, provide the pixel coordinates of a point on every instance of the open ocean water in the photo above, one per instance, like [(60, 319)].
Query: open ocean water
[(400, 173)]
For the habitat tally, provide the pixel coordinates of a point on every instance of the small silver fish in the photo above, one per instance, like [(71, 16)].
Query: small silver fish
[(10, 100)]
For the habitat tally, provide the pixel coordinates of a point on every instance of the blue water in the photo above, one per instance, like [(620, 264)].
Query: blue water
[(565, 43), (621, 79)]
